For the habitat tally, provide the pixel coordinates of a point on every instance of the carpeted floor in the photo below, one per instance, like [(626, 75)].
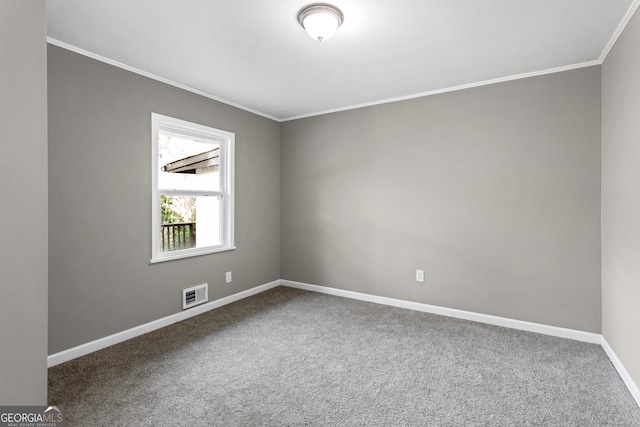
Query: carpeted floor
[(293, 358)]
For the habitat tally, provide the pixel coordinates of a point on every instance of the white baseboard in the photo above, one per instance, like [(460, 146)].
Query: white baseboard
[(99, 344), (555, 331), (452, 312), (622, 371), (589, 337)]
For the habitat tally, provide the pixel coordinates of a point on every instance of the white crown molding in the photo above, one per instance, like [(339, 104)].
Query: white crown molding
[(623, 24), (99, 344), (320, 113), (451, 89), (555, 331), (622, 371), (155, 77), (619, 30)]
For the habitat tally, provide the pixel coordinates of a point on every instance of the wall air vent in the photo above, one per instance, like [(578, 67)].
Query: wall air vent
[(195, 295)]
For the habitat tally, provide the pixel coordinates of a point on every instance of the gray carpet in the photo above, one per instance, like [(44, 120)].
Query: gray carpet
[(293, 358)]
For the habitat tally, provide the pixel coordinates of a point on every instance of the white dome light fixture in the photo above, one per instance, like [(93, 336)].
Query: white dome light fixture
[(320, 20)]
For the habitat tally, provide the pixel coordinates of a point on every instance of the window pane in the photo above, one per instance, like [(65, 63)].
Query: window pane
[(187, 163), (193, 184), (189, 222)]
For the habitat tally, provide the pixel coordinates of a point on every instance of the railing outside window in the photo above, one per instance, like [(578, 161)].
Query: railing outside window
[(179, 235)]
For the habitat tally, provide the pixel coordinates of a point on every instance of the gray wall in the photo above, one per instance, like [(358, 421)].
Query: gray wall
[(100, 280), (23, 185), (494, 191), (621, 198)]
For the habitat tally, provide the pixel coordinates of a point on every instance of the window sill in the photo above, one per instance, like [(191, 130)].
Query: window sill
[(190, 254)]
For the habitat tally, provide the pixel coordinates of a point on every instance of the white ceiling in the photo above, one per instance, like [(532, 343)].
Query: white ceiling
[(253, 53)]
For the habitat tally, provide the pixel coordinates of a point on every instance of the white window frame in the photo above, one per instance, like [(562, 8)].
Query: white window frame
[(226, 193)]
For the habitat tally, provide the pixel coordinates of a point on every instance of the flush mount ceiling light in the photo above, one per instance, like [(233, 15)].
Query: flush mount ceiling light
[(320, 20)]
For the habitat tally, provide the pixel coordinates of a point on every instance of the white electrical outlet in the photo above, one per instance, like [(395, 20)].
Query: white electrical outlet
[(228, 277), (419, 275)]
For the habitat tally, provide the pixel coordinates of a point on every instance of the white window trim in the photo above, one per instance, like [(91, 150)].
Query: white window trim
[(227, 186)]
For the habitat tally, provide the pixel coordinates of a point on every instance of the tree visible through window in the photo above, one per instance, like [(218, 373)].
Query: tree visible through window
[(193, 189)]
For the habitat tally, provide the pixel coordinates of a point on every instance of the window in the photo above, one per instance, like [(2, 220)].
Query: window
[(192, 193)]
